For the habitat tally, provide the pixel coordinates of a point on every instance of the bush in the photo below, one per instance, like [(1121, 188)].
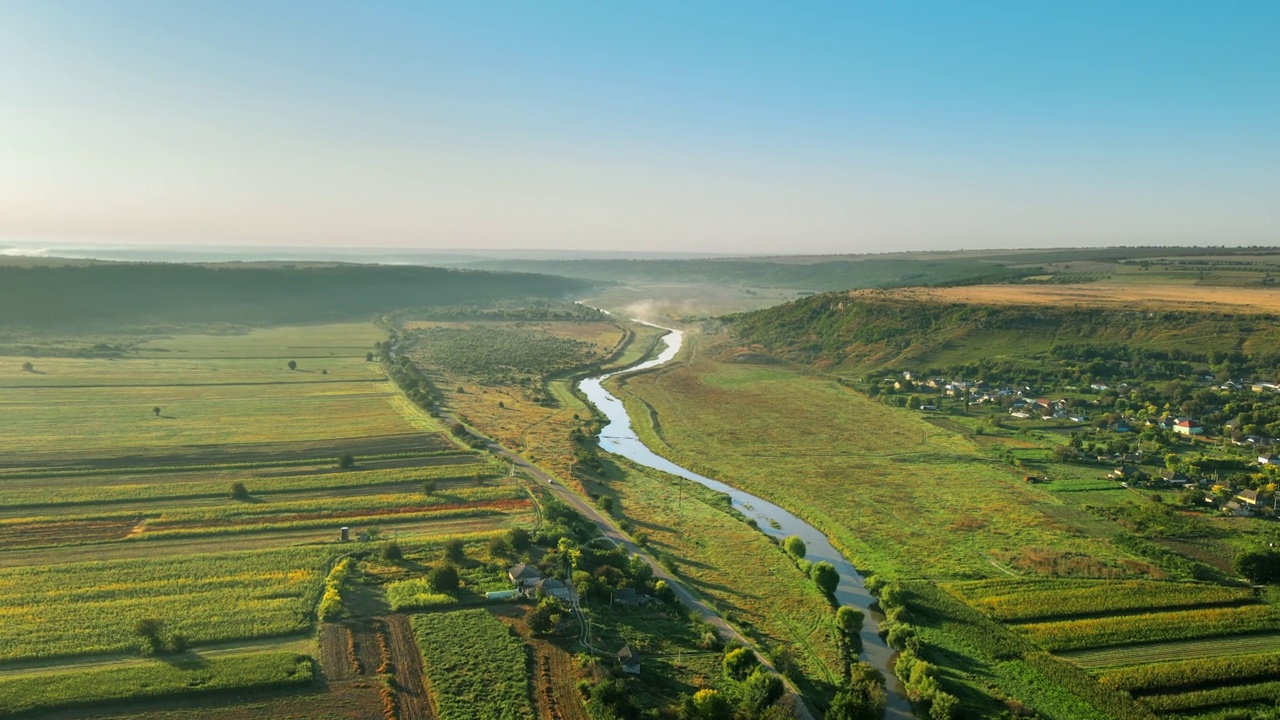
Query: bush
[(794, 546), (738, 663), (455, 550), (391, 552), (347, 461), (239, 491), (444, 579), (1260, 566), (825, 577)]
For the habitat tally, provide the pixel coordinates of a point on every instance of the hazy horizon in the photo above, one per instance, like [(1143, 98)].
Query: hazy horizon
[(707, 130)]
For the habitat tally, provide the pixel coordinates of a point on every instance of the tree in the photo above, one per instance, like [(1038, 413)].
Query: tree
[(156, 410), (1260, 566), (293, 364), (239, 491), (368, 357), (544, 618), (428, 487), (849, 620), (391, 552), (28, 367), (794, 546), (738, 663), (706, 704), (863, 701), (605, 503), (454, 550), (761, 690), (499, 547), (149, 629), (825, 577), (347, 461), (519, 538), (443, 579)]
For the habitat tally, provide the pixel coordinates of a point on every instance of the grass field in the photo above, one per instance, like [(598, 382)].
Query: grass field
[(736, 567), (910, 498), (475, 665), (192, 675)]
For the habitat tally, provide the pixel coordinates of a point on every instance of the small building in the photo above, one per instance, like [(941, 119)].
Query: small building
[(523, 575), (1188, 427), (1236, 509), (629, 661), (552, 587), (1268, 459), (502, 595), (626, 596), (1173, 477), (1248, 497)]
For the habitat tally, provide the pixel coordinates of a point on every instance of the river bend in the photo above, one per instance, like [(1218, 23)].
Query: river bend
[(619, 438)]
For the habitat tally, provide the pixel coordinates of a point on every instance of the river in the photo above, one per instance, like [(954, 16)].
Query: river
[(619, 437)]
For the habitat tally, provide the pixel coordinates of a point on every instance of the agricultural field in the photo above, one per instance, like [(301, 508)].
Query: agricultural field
[(1173, 647), (475, 666), (183, 497), (523, 400)]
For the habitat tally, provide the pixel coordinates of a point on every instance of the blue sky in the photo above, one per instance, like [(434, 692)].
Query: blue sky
[(710, 127)]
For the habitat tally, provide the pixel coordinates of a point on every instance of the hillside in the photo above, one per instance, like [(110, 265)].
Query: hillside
[(59, 298), (858, 331), (792, 273)]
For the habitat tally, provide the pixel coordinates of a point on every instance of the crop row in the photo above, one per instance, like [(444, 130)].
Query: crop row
[(236, 511), (1110, 657), (1152, 627), (91, 607), (475, 665), (1143, 679), (1015, 601), (332, 521), (1229, 695), (94, 687), (217, 484)]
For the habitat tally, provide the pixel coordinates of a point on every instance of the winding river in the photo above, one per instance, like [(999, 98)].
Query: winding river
[(618, 437)]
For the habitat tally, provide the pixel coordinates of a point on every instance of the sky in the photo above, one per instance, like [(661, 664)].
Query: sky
[(713, 127)]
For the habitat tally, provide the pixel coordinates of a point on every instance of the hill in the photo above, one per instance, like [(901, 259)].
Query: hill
[(71, 297), (791, 273), (859, 331)]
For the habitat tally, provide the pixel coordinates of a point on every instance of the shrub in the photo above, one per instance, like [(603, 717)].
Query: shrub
[(794, 546), (738, 663), (239, 491), (444, 579), (825, 577), (347, 461), (391, 552)]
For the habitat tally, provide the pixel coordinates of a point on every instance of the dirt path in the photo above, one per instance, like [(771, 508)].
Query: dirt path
[(414, 702)]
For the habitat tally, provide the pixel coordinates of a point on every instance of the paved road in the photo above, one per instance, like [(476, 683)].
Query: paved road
[(610, 530)]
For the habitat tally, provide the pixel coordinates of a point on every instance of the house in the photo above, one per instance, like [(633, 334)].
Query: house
[(1125, 472), (629, 661), (1188, 427), (1236, 509), (626, 596), (1268, 459), (523, 575), (552, 587), (1173, 477), (1248, 497)]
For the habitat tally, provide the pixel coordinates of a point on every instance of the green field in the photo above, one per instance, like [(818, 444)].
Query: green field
[(112, 514), (906, 498), (475, 665), (153, 679), (912, 499)]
